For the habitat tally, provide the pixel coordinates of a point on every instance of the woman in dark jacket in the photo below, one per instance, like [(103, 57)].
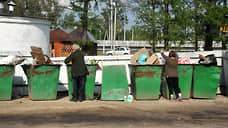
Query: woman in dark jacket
[(172, 74), (78, 72)]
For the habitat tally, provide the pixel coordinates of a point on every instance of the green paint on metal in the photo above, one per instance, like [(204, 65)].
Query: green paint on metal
[(90, 81), (42, 81), (206, 81), (114, 83), (185, 80), (6, 81), (132, 77), (146, 81), (185, 73)]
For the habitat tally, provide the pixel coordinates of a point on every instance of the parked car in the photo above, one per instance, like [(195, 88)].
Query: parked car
[(119, 51)]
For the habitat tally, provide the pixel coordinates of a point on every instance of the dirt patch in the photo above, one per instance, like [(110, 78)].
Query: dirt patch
[(197, 113)]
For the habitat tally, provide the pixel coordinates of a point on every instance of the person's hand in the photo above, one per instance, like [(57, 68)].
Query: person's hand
[(68, 54)]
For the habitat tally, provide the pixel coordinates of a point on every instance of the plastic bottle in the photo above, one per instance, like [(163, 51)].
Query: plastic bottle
[(130, 99), (125, 99)]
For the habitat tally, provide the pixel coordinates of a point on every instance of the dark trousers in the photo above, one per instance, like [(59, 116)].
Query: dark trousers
[(79, 87), (173, 85)]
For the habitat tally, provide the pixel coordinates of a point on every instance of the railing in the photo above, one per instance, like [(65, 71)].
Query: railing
[(147, 44), (106, 45)]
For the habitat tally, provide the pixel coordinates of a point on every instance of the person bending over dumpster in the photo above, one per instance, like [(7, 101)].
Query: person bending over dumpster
[(79, 71), (171, 73)]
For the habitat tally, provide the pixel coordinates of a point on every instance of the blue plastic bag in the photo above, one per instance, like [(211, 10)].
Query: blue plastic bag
[(142, 59)]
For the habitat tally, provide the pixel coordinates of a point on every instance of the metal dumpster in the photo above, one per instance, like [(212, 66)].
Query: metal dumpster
[(185, 72), (42, 81), (90, 81), (146, 81), (114, 83), (205, 81), (6, 81)]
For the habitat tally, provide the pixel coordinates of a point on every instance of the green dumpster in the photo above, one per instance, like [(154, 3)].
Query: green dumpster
[(42, 81), (205, 81), (185, 72), (114, 83), (6, 81), (90, 81), (146, 81)]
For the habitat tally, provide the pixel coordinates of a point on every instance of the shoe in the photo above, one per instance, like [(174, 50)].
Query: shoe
[(171, 100), (74, 99), (179, 100), (81, 100)]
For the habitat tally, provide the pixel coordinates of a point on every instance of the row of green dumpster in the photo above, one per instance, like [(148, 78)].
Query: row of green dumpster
[(42, 81), (147, 82)]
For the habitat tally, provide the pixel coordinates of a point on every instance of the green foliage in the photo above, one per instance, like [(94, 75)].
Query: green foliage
[(47, 9), (121, 18), (96, 25), (68, 22), (180, 21), (82, 8), (84, 45)]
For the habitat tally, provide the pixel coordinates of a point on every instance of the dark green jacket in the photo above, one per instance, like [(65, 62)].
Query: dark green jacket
[(78, 64)]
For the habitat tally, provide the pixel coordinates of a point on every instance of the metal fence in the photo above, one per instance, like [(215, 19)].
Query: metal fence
[(105, 45)]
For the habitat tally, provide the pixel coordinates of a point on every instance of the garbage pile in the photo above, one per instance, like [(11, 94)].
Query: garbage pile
[(208, 60), (184, 60), (12, 60), (144, 57), (39, 57)]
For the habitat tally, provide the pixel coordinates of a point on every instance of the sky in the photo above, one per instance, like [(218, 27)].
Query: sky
[(130, 15)]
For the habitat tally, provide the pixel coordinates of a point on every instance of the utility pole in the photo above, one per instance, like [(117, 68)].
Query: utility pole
[(111, 25), (114, 26), (132, 33), (125, 24), (109, 30)]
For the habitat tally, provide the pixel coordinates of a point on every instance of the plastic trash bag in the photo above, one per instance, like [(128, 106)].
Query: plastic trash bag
[(142, 59), (184, 60), (210, 60)]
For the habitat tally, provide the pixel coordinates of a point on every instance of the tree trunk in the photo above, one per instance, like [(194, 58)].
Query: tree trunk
[(196, 41), (154, 29), (208, 33), (208, 38), (196, 25), (166, 28), (85, 20), (224, 41)]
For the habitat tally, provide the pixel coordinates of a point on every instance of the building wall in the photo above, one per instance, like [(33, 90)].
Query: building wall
[(18, 34), (64, 49), (61, 49), (58, 46)]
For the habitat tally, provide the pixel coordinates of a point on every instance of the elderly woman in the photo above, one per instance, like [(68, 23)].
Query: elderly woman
[(171, 63), (79, 72)]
